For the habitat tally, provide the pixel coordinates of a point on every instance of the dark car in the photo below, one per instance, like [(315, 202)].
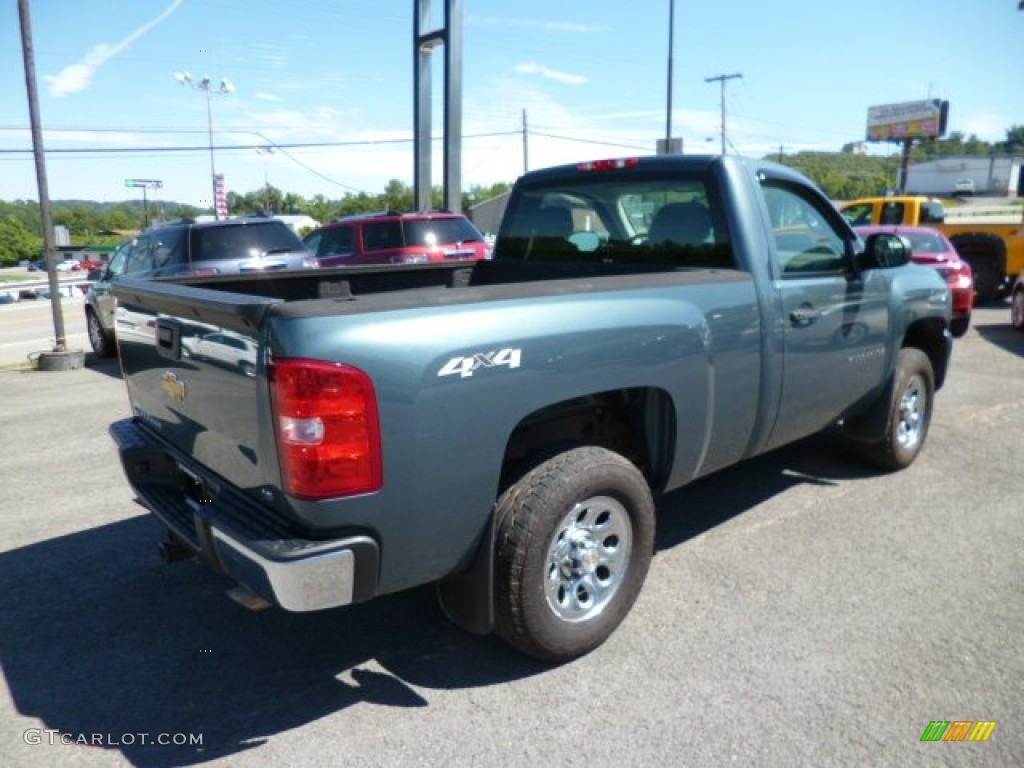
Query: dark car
[(931, 247), (191, 247), (397, 238)]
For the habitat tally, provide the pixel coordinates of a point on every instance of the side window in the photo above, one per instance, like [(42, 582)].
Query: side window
[(169, 252), (806, 243), (892, 213), (120, 260), (336, 242), (139, 261), (381, 235), (312, 242), (932, 213), (858, 215)]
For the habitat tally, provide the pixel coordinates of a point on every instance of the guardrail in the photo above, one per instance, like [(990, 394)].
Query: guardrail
[(1012, 213), (68, 285)]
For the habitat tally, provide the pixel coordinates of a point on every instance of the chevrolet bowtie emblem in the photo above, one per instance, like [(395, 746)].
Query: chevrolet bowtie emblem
[(173, 386)]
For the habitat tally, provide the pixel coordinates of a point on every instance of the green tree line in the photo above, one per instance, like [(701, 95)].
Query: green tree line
[(21, 232), (842, 176)]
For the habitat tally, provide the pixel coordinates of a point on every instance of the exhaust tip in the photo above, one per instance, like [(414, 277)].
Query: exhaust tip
[(248, 600)]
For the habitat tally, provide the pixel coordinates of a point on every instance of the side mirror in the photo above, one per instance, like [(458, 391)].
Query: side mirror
[(884, 250)]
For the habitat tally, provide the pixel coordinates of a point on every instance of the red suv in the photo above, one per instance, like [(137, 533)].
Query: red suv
[(397, 238)]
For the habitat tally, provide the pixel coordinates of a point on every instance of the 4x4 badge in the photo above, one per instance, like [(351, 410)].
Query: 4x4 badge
[(173, 386), (465, 366)]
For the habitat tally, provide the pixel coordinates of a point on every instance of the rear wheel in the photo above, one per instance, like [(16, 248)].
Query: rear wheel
[(575, 541), (986, 280), (101, 341)]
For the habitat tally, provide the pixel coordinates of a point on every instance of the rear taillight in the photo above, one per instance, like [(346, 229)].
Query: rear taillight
[(609, 165), (328, 431)]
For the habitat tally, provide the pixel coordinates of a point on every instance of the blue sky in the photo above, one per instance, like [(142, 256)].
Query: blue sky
[(592, 77)]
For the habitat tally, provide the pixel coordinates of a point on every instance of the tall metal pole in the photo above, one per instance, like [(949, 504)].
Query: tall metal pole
[(424, 43), (206, 86), (720, 79), (668, 100), (39, 154), (526, 145), (213, 171)]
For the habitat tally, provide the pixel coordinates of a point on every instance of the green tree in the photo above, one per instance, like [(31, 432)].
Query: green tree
[(17, 242), (1014, 144), (478, 193), (321, 209), (398, 196)]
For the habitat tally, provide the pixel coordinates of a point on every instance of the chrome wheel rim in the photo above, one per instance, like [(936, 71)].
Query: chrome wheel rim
[(1018, 309), (95, 334), (913, 405), (588, 559)]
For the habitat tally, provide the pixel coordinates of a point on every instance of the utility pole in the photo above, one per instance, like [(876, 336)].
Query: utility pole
[(668, 99), (27, 49), (720, 79), (526, 146)]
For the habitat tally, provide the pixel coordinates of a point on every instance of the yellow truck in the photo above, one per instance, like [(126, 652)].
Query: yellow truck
[(995, 250)]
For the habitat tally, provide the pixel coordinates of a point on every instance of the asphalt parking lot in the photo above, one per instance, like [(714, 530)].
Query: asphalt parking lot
[(801, 610)]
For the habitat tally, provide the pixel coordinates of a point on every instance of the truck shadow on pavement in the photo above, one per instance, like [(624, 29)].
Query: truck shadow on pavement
[(1005, 337), (110, 366), (100, 641)]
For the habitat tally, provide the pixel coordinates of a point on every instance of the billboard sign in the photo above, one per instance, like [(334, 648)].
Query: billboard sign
[(907, 120)]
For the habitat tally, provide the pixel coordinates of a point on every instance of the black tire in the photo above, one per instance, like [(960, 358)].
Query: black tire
[(1017, 309), (102, 342), (574, 544), (986, 281), (958, 326), (909, 413)]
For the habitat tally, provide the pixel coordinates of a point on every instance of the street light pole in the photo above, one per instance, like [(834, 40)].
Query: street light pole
[(668, 98), (144, 184), (720, 79), (206, 86)]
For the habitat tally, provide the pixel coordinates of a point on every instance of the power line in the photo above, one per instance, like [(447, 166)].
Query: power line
[(290, 145)]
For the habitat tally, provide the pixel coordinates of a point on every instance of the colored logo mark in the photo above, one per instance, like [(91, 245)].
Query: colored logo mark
[(959, 730)]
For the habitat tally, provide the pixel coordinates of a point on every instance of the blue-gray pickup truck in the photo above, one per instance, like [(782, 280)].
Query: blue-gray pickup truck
[(500, 429)]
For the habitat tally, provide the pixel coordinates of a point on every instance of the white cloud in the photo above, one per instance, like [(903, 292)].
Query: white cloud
[(78, 77), (264, 96), (533, 68)]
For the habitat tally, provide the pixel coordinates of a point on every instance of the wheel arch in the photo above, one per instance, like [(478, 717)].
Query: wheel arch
[(928, 336), (636, 422)]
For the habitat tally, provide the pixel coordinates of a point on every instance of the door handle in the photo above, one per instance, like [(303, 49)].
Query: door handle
[(804, 315)]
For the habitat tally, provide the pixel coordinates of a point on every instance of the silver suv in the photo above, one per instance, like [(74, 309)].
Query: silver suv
[(190, 247)]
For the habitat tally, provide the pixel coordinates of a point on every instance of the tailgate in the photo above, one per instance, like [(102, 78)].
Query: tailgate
[(193, 362)]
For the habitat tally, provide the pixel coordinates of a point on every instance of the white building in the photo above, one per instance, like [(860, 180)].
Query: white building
[(992, 176)]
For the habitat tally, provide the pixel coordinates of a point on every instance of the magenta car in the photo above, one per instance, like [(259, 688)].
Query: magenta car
[(931, 247)]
